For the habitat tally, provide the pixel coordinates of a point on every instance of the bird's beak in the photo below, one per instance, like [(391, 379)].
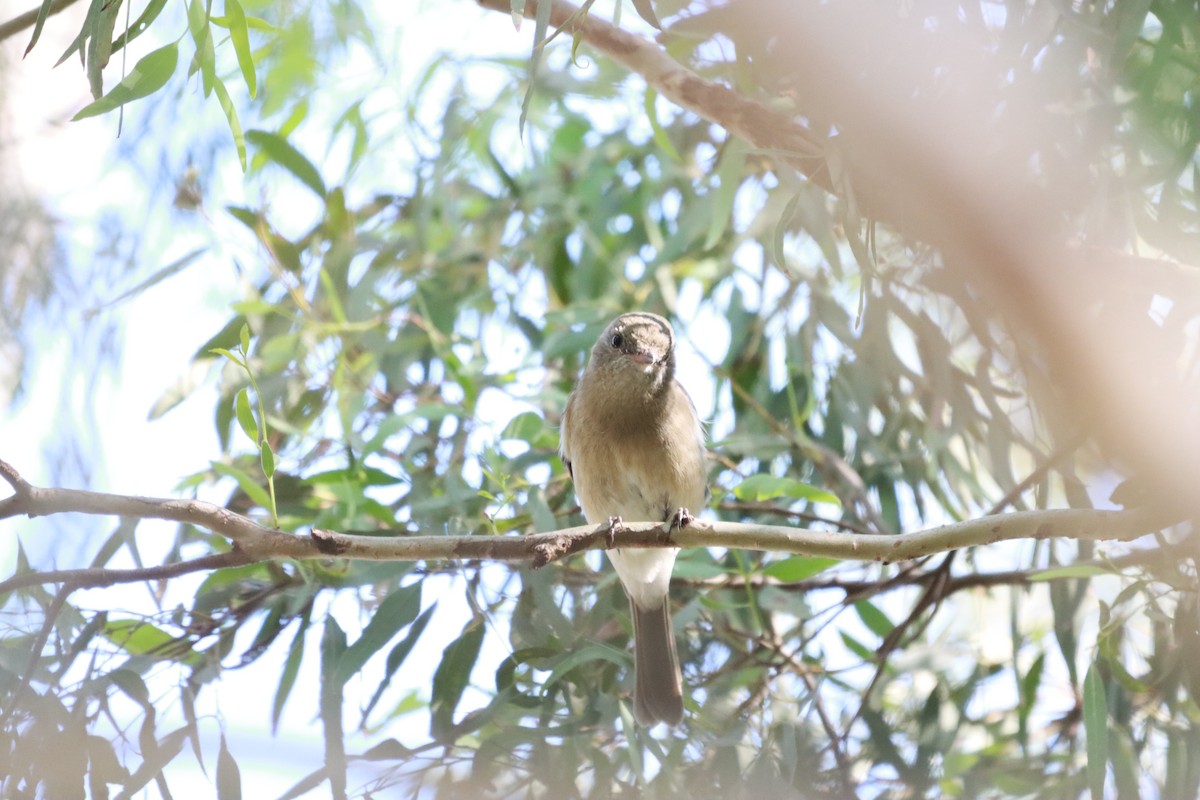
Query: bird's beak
[(645, 359)]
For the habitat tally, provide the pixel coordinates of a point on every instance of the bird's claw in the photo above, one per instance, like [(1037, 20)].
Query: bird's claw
[(614, 524), (680, 519)]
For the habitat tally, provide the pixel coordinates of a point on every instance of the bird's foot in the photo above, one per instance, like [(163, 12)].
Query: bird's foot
[(680, 519), (614, 524)]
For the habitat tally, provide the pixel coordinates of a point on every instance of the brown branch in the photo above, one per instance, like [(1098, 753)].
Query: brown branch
[(746, 507), (255, 542), (758, 124), (96, 577), (26, 20)]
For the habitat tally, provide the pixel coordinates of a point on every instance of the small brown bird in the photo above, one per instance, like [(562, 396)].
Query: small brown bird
[(633, 444)]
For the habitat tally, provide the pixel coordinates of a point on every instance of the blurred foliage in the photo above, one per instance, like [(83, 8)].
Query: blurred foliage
[(408, 355)]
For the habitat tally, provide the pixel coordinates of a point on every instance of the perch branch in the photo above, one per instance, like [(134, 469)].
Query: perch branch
[(254, 542)]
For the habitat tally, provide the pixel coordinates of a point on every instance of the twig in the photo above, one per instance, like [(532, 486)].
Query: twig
[(94, 577), (763, 508), (26, 20), (763, 127)]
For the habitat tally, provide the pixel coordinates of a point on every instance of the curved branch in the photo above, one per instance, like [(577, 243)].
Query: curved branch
[(22, 21), (254, 542), (758, 124)]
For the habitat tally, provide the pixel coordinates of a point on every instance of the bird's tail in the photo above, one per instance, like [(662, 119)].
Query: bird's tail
[(658, 695)]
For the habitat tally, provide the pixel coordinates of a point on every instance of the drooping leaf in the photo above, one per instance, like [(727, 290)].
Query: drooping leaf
[(798, 568), (245, 416), (397, 610), (769, 487), (231, 116), (873, 618), (150, 74), (140, 25), (281, 151), (1095, 726), (229, 775), (239, 34), (398, 654), (205, 58), (246, 482), (291, 668), (43, 13), (452, 676)]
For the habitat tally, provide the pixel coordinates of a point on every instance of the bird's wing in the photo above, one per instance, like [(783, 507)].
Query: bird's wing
[(564, 437)]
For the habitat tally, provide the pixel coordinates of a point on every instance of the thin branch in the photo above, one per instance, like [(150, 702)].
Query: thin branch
[(255, 542), (95, 577), (26, 20), (763, 127), (746, 507)]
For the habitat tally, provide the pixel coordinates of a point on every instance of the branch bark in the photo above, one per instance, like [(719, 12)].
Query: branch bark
[(758, 124), (254, 542), (25, 21)]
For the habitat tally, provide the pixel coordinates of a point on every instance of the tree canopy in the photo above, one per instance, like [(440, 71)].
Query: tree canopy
[(933, 269)]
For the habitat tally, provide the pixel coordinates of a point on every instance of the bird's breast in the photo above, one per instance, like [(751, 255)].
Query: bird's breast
[(639, 469)]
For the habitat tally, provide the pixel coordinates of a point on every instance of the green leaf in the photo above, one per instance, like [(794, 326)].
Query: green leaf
[(150, 74), (141, 24), (245, 482), (729, 174), (529, 427), (291, 669), (175, 267), (398, 654), (99, 44), (81, 38), (234, 357), (660, 135), (768, 487), (279, 150), (540, 26), (43, 13), (231, 116), (140, 638), (229, 777), (582, 655), (239, 33), (333, 646), (1095, 725), (197, 15), (132, 685), (452, 676), (873, 618), (245, 416), (798, 568), (646, 11), (397, 610), (1072, 571), (268, 460)]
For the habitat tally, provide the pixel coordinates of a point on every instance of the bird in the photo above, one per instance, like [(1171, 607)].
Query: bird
[(634, 447)]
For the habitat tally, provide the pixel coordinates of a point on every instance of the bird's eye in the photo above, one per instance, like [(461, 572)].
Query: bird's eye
[(617, 340)]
